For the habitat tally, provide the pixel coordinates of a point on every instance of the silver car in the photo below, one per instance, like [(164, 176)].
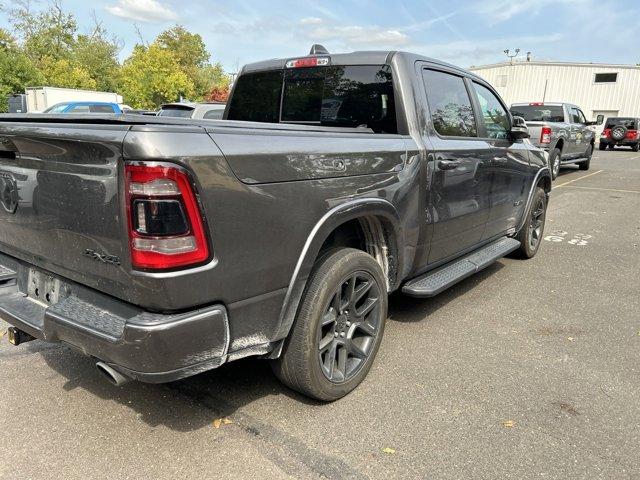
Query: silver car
[(211, 111)]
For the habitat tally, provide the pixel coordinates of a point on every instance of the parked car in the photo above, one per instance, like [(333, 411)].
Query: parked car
[(84, 107), (621, 132), (211, 111), (562, 130), (277, 232)]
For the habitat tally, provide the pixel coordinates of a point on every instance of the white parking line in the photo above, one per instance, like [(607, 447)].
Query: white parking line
[(604, 189), (580, 178)]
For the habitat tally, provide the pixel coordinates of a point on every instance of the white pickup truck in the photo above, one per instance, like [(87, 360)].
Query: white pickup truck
[(562, 130)]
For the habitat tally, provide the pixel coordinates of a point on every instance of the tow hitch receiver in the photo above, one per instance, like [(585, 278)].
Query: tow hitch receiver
[(16, 336)]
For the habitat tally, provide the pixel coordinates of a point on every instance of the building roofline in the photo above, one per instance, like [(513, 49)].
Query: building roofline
[(557, 64)]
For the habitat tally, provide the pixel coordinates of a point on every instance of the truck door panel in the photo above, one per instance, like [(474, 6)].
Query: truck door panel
[(509, 165), (458, 187)]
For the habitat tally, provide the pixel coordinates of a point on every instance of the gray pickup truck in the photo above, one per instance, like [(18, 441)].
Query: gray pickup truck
[(164, 247), (562, 130)]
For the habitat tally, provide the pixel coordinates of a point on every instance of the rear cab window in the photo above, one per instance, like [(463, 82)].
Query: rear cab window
[(332, 96), (539, 113)]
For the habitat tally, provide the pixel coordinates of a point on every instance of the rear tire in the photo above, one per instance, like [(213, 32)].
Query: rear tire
[(338, 328), (555, 157), (603, 146), (636, 147), (530, 235)]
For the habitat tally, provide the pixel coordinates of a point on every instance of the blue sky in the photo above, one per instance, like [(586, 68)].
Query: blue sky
[(462, 32)]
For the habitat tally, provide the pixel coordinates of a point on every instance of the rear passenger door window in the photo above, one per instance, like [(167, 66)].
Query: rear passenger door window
[(451, 108), (495, 119)]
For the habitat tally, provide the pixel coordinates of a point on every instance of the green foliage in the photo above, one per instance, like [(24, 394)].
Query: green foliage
[(152, 76), (50, 50), (16, 69)]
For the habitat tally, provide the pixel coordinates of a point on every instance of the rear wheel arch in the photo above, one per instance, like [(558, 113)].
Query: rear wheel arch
[(370, 225)]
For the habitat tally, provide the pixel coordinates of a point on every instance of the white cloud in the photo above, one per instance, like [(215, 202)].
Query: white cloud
[(310, 21), (498, 11), (353, 36), (151, 11)]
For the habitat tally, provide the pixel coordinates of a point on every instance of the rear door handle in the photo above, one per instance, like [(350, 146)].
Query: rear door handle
[(448, 164)]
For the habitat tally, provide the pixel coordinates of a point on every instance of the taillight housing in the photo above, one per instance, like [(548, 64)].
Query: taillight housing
[(545, 135), (166, 227)]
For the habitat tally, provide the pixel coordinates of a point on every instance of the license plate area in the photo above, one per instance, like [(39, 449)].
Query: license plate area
[(44, 288)]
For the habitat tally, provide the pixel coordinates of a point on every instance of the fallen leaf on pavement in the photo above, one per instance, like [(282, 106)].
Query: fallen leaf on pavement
[(509, 424), (388, 451), (221, 421)]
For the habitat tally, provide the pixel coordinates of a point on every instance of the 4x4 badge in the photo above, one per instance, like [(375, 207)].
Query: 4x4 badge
[(8, 192)]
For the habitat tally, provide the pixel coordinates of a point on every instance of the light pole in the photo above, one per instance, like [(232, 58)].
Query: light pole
[(512, 56)]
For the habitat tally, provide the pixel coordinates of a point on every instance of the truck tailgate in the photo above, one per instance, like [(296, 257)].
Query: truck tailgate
[(59, 207)]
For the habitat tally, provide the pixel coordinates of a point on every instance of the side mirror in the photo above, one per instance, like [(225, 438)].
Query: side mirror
[(519, 129), (599, 119)]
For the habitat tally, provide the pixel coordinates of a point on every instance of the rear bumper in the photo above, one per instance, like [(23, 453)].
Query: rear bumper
[(146, 346), (625, 142)]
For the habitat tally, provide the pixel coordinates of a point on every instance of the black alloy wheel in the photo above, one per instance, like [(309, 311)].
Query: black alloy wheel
[(349, 327), (536, 224)]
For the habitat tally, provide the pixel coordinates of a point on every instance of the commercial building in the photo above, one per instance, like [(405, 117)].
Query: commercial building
[(610, 90)]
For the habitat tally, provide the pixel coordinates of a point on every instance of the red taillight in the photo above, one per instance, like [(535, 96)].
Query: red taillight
[(606, 133), (545, 135), (633, 134), (166, 228), (536, 104), (308, 62)]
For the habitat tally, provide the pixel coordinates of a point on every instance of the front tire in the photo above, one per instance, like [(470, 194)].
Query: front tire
[(338, 328), (530, 235), (587, 163), (554, 162)]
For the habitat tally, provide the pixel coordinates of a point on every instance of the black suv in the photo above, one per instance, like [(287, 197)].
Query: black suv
[(621, 131)]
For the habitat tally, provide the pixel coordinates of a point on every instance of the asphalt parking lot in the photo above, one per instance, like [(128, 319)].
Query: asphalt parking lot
[(528, 370)]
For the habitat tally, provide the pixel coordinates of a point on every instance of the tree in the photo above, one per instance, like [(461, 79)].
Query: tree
[(98, 55), (152, 76), (191, 54), (16, 70), (48, 33), (218, 94), (64, 73), (188, 48)]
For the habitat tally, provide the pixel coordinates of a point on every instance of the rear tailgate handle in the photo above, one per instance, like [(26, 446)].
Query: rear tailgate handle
[(449, 164)]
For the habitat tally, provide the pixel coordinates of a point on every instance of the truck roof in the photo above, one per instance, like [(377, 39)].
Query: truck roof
[(368, 57)]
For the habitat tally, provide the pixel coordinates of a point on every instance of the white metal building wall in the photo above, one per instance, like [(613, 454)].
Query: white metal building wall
[(567, 82)]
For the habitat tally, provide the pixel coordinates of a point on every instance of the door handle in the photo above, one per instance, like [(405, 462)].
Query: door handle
[(449, 164), (501, 160)]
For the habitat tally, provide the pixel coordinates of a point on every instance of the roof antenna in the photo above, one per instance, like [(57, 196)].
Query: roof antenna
[(317, 49)]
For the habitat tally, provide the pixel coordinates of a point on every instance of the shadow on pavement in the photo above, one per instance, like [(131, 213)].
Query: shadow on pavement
[(195, 402), (410, 309), (185, 405)]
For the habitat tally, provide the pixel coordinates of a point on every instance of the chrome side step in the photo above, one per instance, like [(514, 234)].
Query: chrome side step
[(434, 282)]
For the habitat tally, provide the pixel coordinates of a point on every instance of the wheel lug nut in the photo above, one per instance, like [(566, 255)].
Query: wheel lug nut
[(342, 334), (335, 334), (348, 324)]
